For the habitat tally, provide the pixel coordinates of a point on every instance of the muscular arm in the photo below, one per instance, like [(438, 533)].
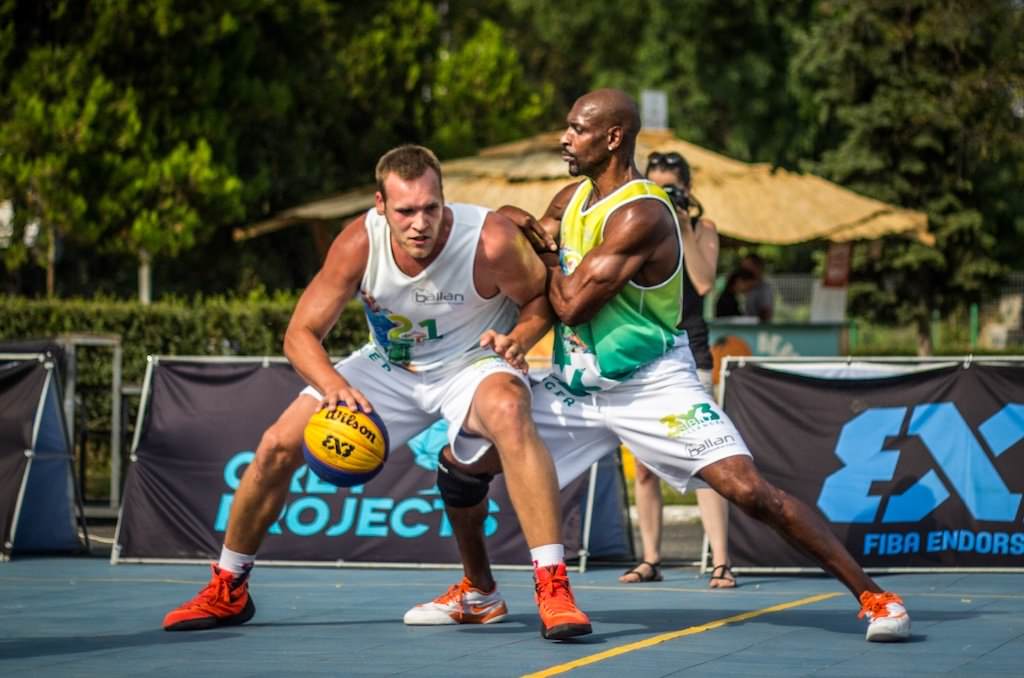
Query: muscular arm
[(632, 237), (700, 252), (507, 264), (320, 305)]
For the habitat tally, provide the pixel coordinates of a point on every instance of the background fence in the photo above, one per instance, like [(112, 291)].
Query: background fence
[(218, 326)]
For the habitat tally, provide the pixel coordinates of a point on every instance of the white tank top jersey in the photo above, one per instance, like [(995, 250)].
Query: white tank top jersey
[(433, 319)]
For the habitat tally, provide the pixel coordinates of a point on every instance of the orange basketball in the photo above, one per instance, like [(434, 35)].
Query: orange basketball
[(345, 447)]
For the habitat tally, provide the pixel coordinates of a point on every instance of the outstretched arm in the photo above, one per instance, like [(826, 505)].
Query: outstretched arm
[(317, 311), (631, 239)]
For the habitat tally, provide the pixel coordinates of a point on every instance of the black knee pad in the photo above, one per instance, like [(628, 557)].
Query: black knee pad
[(460, 489)]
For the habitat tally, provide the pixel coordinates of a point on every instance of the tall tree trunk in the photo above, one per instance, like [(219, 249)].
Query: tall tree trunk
[(924, 336), (145, 278), (51, 262)]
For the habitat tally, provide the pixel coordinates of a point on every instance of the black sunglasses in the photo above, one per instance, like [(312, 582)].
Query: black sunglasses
[(670, 160)]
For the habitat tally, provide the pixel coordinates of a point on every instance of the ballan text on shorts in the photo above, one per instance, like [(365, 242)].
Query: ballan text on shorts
[(709, 444), (424, 296)]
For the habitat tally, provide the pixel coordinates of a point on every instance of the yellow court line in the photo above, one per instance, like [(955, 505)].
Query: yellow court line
[(672, 635)]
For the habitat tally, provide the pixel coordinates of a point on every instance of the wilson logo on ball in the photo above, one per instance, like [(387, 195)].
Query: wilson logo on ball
[(345, 447)]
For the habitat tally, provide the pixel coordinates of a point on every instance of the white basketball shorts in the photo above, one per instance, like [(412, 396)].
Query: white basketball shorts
[(663, 414), (409, 402)]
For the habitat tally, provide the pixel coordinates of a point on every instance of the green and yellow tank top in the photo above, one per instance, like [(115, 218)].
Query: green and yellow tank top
[(638, 325)]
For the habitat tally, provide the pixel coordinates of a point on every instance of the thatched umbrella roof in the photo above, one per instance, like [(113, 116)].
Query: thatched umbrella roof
[(750, 202)]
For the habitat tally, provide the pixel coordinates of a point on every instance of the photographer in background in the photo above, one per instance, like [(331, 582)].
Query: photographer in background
[(700, 258)]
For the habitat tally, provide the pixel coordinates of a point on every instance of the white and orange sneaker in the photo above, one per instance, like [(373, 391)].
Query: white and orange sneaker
[(887, 617), (460, 604)]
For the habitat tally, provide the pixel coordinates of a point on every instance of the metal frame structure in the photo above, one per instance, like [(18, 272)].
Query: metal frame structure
[(926, 363), (71, 342)]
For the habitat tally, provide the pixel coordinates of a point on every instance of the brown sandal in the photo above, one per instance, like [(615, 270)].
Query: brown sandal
[(641, 577), (719, 574)]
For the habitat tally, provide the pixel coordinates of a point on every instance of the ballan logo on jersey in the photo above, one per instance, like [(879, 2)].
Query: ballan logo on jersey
[(958, 453), (430, 297), (696, 417)]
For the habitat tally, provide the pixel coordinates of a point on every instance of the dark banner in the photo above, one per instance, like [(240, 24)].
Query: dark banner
[(202, 424), (924, 469), (21, 384), (38, 469)]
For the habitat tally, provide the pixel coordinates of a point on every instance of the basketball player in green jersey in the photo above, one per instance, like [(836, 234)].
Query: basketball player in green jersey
[(624, 371)]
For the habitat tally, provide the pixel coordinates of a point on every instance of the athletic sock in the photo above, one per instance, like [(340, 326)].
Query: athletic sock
[(234, 562), (547, 555)]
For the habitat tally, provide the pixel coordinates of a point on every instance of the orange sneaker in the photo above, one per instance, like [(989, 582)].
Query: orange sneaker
[(225, 601), (559, 616), (888, 619)]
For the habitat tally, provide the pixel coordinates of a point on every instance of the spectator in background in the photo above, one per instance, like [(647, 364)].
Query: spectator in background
[(758, 300), (739, 282), (700, 260)]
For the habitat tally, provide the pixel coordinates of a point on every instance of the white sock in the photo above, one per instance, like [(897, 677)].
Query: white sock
[(547, 555), (235, 563)]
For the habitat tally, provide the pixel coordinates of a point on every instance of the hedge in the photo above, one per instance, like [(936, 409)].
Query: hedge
[(214, 326), (203, 326)]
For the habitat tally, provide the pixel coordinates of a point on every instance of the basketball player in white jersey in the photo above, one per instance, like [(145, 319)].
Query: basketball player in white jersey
[(442, 286)]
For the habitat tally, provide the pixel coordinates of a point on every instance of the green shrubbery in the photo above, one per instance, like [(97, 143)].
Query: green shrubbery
[(203, 326), (210, 326)]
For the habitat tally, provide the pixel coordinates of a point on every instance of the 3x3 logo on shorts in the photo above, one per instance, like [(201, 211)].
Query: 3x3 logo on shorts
[(696, 417)]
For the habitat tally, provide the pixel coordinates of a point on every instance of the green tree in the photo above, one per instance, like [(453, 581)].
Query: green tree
[(575, 48), (480, 95), (75, 162), (207, 114), (723, 65), (914, 103)]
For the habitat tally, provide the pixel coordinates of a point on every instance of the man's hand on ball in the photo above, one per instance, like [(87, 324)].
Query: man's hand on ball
[(343, 393)]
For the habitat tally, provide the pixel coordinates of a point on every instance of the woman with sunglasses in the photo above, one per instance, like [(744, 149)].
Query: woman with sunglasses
[(700, 247)]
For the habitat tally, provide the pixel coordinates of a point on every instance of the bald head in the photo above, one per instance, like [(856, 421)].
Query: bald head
[(613, 108)]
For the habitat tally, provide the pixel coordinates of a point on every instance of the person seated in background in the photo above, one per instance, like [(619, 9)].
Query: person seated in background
[(759, 299), (700, 261), (739, 282)]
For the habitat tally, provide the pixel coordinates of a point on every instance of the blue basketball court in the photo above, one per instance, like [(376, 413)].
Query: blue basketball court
[(84, 617)]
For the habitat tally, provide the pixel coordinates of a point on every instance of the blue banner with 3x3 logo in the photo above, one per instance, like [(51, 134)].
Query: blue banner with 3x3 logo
[(923, 468)]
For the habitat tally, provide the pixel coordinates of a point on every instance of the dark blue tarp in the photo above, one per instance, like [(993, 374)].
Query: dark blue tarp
[(45, 520)]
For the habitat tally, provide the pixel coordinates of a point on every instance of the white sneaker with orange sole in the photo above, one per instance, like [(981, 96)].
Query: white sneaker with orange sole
[(460, 604), (888, 621)]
